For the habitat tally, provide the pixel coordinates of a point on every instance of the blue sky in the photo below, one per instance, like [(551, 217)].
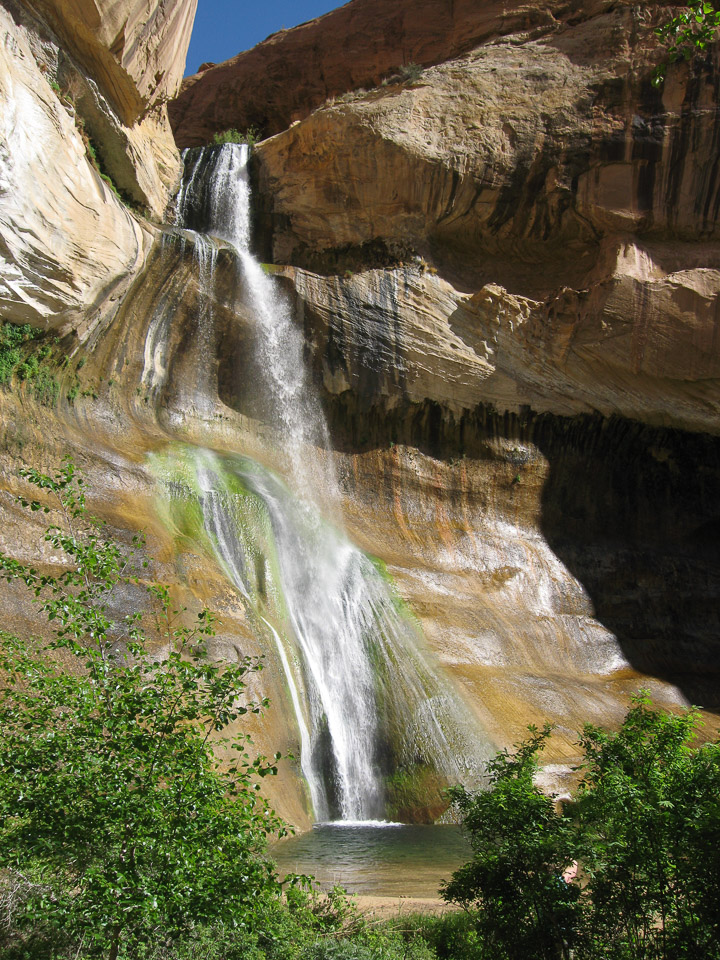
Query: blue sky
[(226, 27)]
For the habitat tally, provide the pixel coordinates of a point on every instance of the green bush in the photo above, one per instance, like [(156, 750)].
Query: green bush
[(411, 72), (689, 32), (251, 136), (12, 338), (45, 387), (451, 936), (645, 829), (648, 827), (21, 358), (342, 950), (117, 824), (521, 846), (407, 73)]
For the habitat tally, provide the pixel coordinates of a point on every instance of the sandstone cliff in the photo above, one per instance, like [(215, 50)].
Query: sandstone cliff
[(566, 207), (568, 203), (133, 49), (83, 93), (114, 67), (506, 269), (358, 45)]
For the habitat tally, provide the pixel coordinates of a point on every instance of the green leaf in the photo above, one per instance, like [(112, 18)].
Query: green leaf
[(108, 782)]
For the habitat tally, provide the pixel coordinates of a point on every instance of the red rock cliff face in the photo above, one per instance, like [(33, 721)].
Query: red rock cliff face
[(358, 45), (516, 248)]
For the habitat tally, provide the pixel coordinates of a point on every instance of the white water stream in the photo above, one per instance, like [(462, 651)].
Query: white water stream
[(365, 698)]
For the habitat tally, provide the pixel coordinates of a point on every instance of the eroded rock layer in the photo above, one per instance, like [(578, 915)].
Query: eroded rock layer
[(358, 45), (506, 268), (548, 180)]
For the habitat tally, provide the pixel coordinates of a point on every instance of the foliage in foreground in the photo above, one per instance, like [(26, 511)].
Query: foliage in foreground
[(521, 847), (645, 828), (689, 32), (117, 823)]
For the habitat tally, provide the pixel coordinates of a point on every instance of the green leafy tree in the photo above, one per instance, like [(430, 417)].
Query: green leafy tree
[(649, 814), (118, 825), (645, 828), (689, 32), (521, 847)]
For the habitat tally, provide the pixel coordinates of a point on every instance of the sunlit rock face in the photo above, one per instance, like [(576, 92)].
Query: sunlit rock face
[(511, 164), (641, 344), (68, 244), (128, 60), (134, 49), (506, 271), (113, 68), (358, 45), (81, 79), (566, 204)]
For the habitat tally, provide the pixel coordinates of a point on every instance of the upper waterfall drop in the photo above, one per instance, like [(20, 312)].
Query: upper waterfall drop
[(214, 196), (371, 702)]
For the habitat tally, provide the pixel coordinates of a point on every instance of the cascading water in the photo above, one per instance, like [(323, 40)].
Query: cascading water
[(319, 591), (215, 197), (371, 702)]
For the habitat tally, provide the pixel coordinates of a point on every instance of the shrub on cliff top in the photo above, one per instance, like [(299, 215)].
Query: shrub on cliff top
[(250, 137)]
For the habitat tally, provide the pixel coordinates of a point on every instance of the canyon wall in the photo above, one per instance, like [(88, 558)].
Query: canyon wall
[(358, 45), (508, 260), (506, 269)]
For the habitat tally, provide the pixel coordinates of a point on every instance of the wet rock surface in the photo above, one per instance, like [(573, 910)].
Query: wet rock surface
[(506, 270)]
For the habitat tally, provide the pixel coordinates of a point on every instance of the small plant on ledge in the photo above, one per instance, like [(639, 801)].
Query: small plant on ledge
[(28, 356), (250, 137)]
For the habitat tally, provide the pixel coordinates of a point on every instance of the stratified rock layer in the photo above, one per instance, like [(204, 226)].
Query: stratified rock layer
[(358, 45), (637, 345), (563, 212)]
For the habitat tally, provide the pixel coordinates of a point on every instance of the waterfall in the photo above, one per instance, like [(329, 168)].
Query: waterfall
[(370, 701), (215, 198), (318, 587)]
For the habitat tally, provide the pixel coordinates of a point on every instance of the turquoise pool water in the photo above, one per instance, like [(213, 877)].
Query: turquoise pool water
[(375, 859)]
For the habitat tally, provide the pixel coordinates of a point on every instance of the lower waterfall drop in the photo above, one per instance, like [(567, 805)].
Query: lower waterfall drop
[(367, 701)]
